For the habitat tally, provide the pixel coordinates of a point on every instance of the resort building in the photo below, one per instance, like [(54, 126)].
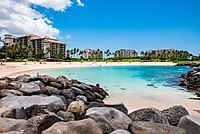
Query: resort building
[(41, 45), (158, 52), (92, 54), (125, 53)]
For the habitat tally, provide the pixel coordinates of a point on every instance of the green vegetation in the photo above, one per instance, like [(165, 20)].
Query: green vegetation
[(20, 52)]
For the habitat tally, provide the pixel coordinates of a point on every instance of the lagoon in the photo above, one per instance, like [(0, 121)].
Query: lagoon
[(135, 86), (131, 79)]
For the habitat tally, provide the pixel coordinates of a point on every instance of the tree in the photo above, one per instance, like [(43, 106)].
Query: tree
[(49, 50)]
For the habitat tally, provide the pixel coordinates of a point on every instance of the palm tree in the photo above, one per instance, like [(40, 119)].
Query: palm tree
[(68, 53), (49, 51), (71, 52), (108, 53), (142, 53), (80, 53)]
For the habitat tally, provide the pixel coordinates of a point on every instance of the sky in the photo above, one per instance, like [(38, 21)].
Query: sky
[(107, 24)]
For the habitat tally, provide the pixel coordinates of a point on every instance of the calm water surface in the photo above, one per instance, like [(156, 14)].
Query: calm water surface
[(126, 78)]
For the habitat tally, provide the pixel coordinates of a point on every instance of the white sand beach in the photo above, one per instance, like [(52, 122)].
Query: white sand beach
[(16, 68), (160, 101)]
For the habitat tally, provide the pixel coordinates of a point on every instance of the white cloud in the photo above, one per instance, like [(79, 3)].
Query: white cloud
[(17, 16), (68, 36), (58, 5), (80, 3)]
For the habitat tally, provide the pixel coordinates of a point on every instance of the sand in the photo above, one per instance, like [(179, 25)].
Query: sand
[(16, 68), (160, 101)]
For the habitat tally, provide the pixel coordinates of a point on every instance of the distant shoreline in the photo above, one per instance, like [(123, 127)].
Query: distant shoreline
[(12, 69)]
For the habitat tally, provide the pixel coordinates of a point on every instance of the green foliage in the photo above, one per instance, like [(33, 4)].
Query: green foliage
[(166, 55), (18, 51), (58, 56)]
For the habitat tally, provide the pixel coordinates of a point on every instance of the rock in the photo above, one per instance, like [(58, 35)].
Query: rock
[(174, 114), (149, 115), (8, 114), (140, 127), (191, 80), (63, 81), (19, 102), (190, 123), (6, 92), (98, 101), (21, 113), (33, 110), (81, 98), (5, 83), (15, 84), (77, 91), (120, 131), (48, 90), (80, 86), (23, 78), (44, 121), (40, 84), (43, 78), (183, 84), (66, 116), (90, 96), (56, 85), (55, 107), (30, 89), (5, 80), (120, 107), (86, 126), (68, 93), (76, 107), (12, 132), (99, 96), (62, 98), (20, 125), (109, 119)]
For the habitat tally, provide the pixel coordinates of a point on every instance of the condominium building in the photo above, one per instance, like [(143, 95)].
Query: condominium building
[(125, 53), (46, 45), (155, 53), (92, 54)]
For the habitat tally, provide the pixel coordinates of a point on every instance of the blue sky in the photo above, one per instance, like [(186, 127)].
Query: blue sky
[(134, 24)]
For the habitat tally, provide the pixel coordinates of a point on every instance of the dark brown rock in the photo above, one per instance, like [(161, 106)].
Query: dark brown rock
[(149, 115), (86, 126), (45, 121), (175, 113), (120, 107), (190, 123), (23, 78), (66, 116), (140, 127), (21, 125)]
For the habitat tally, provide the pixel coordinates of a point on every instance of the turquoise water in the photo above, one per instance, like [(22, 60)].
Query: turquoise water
[(126, 78)]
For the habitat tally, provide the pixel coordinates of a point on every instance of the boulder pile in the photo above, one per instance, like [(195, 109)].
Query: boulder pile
[(191, 64), (48, 105), (191, 80)]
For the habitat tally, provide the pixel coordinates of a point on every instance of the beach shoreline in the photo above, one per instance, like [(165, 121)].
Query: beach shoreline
[(132, 101), (11, 69), (161, 101)]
